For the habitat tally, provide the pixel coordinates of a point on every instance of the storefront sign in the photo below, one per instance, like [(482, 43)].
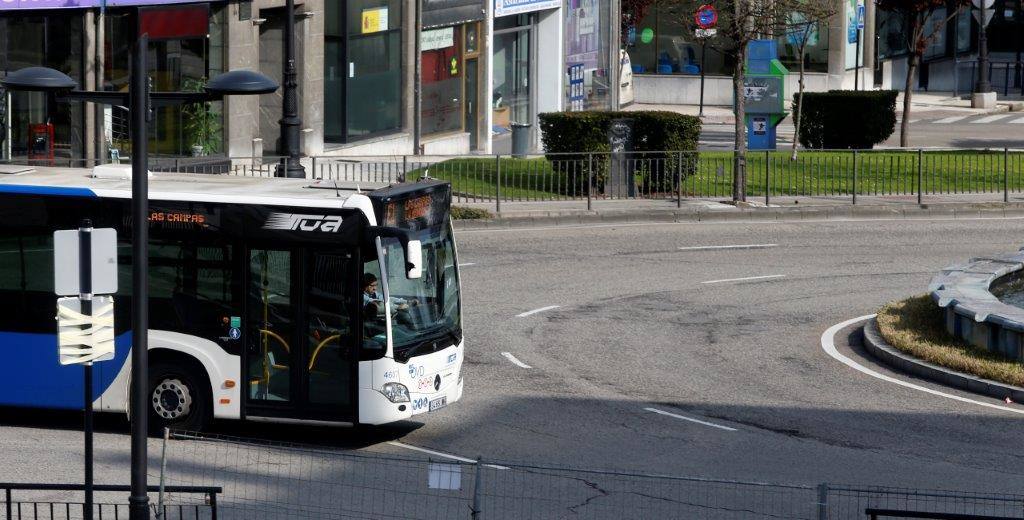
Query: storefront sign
[(437, 39), (375, 20), (507, 7), (73, 4)]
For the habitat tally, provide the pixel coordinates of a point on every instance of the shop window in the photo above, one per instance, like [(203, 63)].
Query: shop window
[(362, 68), (815, 56), (663, 43), (442, 69), (587, 38)]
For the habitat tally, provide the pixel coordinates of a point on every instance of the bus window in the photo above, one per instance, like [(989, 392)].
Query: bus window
[(329, 333), (26, 284), (272, 325), (373, 309)]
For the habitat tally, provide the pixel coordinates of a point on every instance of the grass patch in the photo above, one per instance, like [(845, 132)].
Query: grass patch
[(915, 326), (814, 173), (464, 213)]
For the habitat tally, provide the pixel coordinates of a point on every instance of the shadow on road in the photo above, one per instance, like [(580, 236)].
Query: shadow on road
[(116, 423)]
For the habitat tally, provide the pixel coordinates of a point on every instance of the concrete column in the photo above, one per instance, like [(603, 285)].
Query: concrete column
[(837, 47), (241, 126), (487, 53), (408, 69), (100, 64), (310, 51), (89, 73), (868, 41), (614, 28)]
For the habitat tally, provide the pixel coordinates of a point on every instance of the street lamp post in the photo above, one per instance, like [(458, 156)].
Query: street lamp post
[(982, 85), (140, 100), (290, 121)]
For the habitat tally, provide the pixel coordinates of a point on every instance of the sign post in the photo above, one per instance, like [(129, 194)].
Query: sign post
[(706, 19), (857, 58), (86, 330)]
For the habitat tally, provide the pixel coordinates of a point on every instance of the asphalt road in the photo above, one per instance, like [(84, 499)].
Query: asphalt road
[(735, 369)]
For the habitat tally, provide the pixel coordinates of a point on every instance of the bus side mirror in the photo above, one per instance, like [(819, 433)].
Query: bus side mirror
[(414, 259)]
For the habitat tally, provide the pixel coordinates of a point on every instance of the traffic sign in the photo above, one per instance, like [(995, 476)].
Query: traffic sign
[(989, 13), (988, 3), (85, 337), (860, 16), (706, 16), (65, 262), (703, 34)]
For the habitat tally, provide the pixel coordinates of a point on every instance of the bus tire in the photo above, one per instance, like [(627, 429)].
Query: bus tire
[(178, 398)]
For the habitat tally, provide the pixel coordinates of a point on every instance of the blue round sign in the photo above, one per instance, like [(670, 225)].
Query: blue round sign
[(706, 16)]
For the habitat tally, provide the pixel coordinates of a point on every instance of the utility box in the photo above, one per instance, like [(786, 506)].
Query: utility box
[(764, 94)]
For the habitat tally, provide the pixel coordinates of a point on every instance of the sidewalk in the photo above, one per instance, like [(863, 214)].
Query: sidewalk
[(928, 104), (559, 213)]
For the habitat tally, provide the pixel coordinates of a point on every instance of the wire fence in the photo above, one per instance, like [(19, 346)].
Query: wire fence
[(275, 480), (670, 175)]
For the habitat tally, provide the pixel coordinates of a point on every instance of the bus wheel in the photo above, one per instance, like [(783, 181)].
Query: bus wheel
[(177, 399)]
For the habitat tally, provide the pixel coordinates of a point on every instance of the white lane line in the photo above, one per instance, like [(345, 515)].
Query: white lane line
[(948, 120), (740, 246), (1017, 121), (440, 454), (535, 311), (691, 419), (516, 362), (766, 277), (990, 119), (828, 344), (467, 264)]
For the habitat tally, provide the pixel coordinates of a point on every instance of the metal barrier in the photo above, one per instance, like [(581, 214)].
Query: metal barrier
[(840, 175), (23, 501), (279, 480)]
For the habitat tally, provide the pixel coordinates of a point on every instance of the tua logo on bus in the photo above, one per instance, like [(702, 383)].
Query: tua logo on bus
[(297, 222)]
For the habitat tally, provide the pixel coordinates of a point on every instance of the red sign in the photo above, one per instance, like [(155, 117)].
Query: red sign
[(706, 16)]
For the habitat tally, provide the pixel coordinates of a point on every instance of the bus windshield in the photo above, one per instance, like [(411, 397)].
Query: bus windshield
[(426, 309)]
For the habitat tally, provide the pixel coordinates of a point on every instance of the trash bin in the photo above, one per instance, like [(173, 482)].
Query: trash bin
[(520, 139)]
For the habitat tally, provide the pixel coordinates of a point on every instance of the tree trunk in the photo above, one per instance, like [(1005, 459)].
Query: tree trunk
[(907, 91), (739, 178), (799, 102)]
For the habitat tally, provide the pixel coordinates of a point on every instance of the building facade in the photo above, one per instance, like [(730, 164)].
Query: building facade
[(485, 67)]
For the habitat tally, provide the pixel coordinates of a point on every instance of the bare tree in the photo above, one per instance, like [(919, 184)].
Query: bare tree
[(923, 24), (803, 23)]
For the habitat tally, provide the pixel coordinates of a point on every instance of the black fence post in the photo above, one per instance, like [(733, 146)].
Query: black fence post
[(405, 167), (679, 181), (823, 501), (497, 184), (767, 178), (477, 484), (7, 496), (1006, 175), (590, 181), (855, 176), (213, 505), (920, 173)]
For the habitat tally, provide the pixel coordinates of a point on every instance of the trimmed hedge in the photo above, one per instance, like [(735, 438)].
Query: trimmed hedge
[(846, 119), (468, 213), (653, 131)]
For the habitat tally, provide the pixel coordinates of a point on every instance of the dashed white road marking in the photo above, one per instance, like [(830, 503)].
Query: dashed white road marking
[(514, 360), (828, 344), (1017, 121), (440, 454), (535, 311), (467, 264), (691, 419), (990, 119), (766, 277), (948, 120), (740, 246)]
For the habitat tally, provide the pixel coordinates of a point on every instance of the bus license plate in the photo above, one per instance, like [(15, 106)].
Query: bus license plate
[(437, 404)]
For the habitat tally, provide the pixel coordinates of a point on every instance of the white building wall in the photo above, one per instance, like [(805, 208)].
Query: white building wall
[(550, 45)]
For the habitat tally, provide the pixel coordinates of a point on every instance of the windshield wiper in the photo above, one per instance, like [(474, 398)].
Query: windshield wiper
[(405, 354)]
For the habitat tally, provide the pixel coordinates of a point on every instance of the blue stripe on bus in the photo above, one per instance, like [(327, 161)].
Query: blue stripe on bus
[(58, 191), (32, 376)]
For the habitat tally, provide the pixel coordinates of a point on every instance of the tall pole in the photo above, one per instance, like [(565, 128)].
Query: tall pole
[(856, 59), (138, 502), (85, 302), (290, 121), (703, 53), (417, 81), (982, 84)]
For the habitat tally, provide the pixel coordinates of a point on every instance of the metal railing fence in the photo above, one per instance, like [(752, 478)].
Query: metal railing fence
[(22, 501), (280, 480), (842, 175)]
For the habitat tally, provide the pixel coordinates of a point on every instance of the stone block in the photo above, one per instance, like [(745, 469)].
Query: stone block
[(985, 100)]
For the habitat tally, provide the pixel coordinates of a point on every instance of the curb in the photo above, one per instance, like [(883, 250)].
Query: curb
[(951, 210), (889, 355)]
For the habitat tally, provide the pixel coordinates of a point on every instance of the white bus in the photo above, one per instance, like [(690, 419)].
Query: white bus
[(284, 300)]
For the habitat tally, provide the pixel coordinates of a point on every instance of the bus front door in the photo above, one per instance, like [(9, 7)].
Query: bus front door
[(300, 359)]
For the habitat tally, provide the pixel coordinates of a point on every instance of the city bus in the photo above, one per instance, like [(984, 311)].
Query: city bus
[(279, 300)]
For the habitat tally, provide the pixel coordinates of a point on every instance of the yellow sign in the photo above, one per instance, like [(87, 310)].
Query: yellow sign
[(375, 20)]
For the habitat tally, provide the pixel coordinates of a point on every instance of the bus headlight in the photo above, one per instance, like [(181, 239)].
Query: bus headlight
[(395, 392)]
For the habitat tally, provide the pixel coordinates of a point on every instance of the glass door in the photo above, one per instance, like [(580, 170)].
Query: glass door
[(301, 347)]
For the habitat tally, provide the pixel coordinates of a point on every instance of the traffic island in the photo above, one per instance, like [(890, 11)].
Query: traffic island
[(910, 336)]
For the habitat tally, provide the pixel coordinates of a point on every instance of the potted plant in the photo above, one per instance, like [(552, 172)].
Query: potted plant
[(201, 122)]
